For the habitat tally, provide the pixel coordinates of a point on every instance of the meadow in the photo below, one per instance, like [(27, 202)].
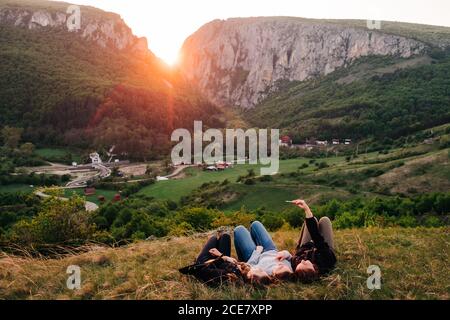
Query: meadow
[(195, 177), (425, 167), (108, 194), (413, 263)]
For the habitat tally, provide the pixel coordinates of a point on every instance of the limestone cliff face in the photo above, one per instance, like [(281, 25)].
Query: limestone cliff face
[(106, 29), (239, 61)]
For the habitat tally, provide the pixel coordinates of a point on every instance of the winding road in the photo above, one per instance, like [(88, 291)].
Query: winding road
[(89, 206), (81, 182)]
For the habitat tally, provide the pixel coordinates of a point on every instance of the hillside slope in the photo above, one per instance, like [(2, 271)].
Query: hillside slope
[(375, 97), (68, 87), (239, 61), (413, 263)]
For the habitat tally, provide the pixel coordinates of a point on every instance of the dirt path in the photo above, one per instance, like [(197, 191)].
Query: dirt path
[(89, 206), (178, 170)]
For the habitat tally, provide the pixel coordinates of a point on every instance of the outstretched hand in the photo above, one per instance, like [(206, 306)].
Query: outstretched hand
[(303, 205)]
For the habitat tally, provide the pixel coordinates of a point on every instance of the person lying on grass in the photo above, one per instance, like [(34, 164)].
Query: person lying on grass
[(314, 255), (257, 249), (214, 265)]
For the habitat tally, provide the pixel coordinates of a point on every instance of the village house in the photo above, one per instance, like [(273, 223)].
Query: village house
[(285, 141), (89, 191)]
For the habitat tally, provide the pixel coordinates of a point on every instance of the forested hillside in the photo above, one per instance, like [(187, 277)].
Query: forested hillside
[(377, 97), (64, 89)]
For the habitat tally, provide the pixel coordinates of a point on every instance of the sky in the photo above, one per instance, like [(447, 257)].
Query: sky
[(167, 23)]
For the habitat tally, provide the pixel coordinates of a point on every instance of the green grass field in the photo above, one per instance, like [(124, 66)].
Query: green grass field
[(175, 189), (254, 197), (108, 194), (50, 152), (316, 185), (57, 153), (16, 188)]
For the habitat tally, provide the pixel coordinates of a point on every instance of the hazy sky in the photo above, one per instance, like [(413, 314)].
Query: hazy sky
[(167, 23)]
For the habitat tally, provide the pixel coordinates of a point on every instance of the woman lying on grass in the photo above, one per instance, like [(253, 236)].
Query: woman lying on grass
[(314, 255), (260, 260), (256, 248), (214, 266)]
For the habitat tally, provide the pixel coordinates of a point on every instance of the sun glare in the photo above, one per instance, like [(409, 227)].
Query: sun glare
[(169, 56)]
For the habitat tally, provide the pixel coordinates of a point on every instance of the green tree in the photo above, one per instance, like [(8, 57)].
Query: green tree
[(11, 136), (57, 222), (27, 149)]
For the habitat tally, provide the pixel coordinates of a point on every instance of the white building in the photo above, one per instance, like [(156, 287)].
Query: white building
[(95, 158)]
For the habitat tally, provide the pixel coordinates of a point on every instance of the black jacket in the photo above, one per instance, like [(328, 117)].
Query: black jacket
[(213, 273), (317, 251)]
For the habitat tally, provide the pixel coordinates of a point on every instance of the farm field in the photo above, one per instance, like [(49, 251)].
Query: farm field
[(175, 189), (55, 154), (371, 174), (16, 188), (108, 194)]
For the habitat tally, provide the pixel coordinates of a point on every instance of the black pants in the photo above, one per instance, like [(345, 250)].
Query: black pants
[(223, 244)]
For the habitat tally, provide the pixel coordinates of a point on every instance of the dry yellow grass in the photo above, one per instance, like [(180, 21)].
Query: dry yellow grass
[(414, 265)]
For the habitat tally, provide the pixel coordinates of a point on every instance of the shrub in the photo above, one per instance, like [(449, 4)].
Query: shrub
[(294, 216), (249, 181), (432, 221), (234, 219), (406, 221), (348, 220), (199, 218), (266, 178), (58, 222), (323, 165), (272, 222)]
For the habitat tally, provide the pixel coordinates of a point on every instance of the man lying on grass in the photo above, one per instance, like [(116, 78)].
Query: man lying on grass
[(260, 262)]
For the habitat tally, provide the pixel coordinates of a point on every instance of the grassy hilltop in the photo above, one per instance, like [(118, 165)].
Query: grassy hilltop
[(413, 263)]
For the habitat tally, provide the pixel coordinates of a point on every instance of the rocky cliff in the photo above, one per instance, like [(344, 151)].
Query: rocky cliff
[(239, 62), (104, 28)]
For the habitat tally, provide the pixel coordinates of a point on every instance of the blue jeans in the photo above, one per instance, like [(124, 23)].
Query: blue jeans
[(246, 241)]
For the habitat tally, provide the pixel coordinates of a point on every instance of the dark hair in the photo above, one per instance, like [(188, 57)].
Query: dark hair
[(286, 275), (307, 276), (244, 268), (261, 282)]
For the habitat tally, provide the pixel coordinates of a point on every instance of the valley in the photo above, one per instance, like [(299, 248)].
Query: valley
[(87, 177)]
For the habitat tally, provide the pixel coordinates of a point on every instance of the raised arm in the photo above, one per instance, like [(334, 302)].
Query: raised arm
[(311, 223)]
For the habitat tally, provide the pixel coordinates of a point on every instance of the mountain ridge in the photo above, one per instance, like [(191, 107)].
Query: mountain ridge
[(238, 61), (70, 88), (104, 28)]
